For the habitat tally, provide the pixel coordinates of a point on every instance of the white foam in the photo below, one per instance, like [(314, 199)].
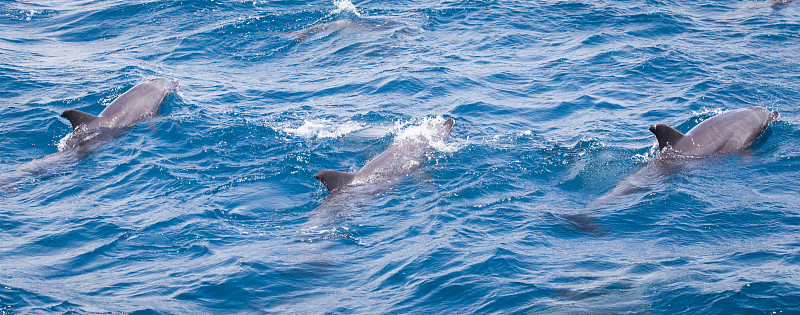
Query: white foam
[(707, 112), (426, 129), (323, 128), (62, 144), (30, 14), (647, 156), (73, 138), (345, 6)]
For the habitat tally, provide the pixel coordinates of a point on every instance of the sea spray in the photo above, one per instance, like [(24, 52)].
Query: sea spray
[(345, 6)]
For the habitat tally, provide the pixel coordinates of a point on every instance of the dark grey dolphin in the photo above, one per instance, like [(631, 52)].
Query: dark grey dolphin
[(725, 133), (402, 156), (140, 102), (353, 190)]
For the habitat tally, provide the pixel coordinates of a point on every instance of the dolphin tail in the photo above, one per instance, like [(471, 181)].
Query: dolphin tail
[(334, 180), (77, 117), (666, 135)]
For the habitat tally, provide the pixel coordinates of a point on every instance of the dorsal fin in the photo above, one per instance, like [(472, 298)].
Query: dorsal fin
[(334, 179), (448, 124), (77, 117), (666, 135)]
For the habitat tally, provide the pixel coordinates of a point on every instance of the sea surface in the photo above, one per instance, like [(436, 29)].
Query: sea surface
[(211, 206)]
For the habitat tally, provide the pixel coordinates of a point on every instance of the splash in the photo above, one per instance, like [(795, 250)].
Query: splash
[(323, 128), (64, 143), (647, 156), (426, 130), (29, 14), (345, 6), (706, 112)]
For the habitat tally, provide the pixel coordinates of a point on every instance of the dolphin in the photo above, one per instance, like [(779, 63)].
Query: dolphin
[(138, 103), (353, 190), (728, 132), (333, 27), (357, 24), (402, 156), (725, 133)]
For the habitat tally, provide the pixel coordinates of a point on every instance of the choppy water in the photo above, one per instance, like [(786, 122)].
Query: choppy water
[(202, 208)]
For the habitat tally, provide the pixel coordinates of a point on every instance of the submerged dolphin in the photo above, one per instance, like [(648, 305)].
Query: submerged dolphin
[(358, 24), (333, 26), (88, 131), (401, 157), (725, 133)]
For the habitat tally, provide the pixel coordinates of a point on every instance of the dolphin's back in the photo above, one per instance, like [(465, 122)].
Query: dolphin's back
[(406, 153), (136, 104), (727, 132)]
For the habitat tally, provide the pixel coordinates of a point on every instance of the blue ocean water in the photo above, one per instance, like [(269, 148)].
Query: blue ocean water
[(202, 209)]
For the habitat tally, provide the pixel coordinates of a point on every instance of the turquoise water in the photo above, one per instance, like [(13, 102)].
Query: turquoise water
[(206, 208)]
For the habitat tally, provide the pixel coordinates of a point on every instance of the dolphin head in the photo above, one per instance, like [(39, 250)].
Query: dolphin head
[(770, 116), (763, 117), (775, 115), (162, 87), (165, 83)]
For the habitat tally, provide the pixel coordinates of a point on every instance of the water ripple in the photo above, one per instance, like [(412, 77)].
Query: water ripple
[(205, 207)]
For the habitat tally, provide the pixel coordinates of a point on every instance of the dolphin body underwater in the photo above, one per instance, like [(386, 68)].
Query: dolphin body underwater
[(724, 133), (89, 131), (355, 25)]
